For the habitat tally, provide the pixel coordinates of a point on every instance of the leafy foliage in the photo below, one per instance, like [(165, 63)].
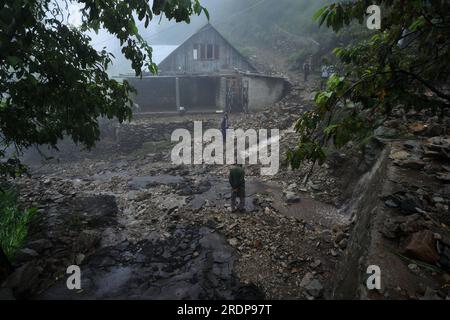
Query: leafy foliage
[(13, 222), (53, 83), (403, 64)]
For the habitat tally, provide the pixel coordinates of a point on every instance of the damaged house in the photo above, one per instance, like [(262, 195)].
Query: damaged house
[(206, 74)]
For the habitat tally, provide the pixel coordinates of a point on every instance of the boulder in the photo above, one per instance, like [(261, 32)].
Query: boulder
[(291, 197), (24, 279), (422, 246), (311, 285), (25, 254)]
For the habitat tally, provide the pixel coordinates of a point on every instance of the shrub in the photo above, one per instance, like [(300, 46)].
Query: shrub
[(13, 222)]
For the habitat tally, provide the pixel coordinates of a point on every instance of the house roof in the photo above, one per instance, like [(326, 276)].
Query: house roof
[(206, 27)]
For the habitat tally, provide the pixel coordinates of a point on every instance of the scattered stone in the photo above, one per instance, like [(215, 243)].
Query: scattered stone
[(233, 242), (410, 164), (343, 244), (391, 204), (79, 258), (316, 263), (399, 155), (385, 132), (291, 197), (311, 285)]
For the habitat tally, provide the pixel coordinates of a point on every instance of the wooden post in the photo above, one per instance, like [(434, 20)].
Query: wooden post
[(177, 92)]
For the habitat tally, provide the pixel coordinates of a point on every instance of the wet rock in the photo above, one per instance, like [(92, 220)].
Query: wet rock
[(339, 237), (316, 263), (343, 244), (311, 285), (79, 258), (391, 204), (233, 242), (40, 245), (444, 255), (6, 294), (86, 241), (400, 155), (24, 279), (402, 225), (291, 197), (385, 132), (443, 176), (326, 235), (410, 164), (430, 294), (25, 254), (422, 246), (151, 181)]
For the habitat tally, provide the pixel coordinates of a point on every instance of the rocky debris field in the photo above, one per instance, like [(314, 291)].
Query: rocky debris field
[(140, 227), (417, 229)]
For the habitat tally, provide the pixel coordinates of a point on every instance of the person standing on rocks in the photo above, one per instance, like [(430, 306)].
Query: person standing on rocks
[(306, 70), (237, 182), (224, 126)]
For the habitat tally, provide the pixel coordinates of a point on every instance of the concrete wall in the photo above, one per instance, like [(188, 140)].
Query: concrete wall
[(264, 91), (167, 94), (202, 93), (156, 94)]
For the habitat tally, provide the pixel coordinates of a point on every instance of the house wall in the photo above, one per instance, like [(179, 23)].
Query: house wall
[(264, 91), (202, 93), (155, 94), (160, 94), (181, 61)]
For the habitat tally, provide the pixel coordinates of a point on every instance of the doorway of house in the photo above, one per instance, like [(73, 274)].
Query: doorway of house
[(233, 96)]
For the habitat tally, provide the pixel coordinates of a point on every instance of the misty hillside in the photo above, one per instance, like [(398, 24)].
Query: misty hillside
[(260, 29)]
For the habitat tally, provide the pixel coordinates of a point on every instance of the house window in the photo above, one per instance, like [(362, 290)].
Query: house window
[(195, 52), (209, 52), (206, 52), (216, 52), (202, 52)]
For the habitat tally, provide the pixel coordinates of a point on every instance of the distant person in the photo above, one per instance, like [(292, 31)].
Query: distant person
[(237, 182), (306, 70), (245, 100), (230, 99), (324, 75), (224, 126)]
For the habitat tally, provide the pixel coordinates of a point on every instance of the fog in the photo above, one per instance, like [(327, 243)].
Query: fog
[(235, 19)]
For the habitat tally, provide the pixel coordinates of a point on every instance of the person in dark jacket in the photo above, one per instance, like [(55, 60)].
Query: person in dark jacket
[(224, 126), (237, 182)]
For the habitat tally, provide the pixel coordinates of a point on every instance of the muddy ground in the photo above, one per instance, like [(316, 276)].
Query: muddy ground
[(140, 227)]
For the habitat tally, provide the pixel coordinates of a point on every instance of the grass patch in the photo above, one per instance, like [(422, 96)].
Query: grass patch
[(13, 222)]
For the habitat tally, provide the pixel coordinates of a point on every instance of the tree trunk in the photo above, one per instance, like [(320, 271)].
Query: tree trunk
[(5, 266)]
